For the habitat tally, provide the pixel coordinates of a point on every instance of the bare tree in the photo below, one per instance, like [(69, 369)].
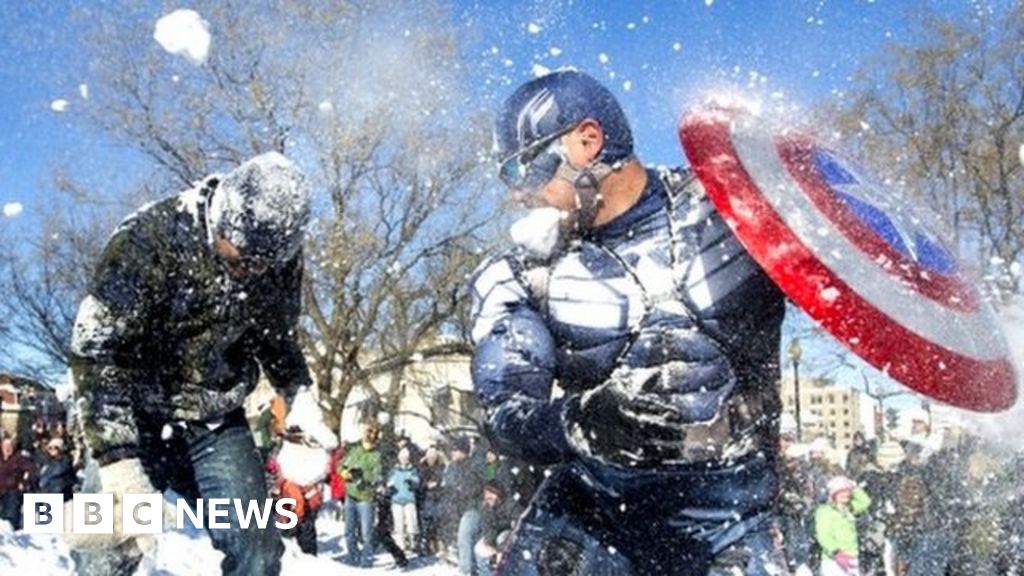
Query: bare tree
[(943, 115), (372, 101)]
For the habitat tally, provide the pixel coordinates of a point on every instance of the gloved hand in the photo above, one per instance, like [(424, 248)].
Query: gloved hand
[(619, 423), (848, 562), (306, 419), (121, 477)]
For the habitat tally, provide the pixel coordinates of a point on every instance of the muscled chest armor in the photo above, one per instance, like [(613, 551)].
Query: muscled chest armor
[(667, 298)]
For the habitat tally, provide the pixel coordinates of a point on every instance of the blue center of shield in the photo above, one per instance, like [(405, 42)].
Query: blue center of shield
[(874, 206)]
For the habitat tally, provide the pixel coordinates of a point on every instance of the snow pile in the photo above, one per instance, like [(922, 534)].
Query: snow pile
[(13, 209), (190, 553), (185, 33)]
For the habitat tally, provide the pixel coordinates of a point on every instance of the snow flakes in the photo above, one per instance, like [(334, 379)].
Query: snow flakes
[(627, 85), (13, 209), (676, 47), (830, 294), (83, 91), (539, 70), (325, 107), (602, 58), (555, 51), (1020, 153), (538, 231), (184, 33), (533, 28), (59, 105), (709, 2)]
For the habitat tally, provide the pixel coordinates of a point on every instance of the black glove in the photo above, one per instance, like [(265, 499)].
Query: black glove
[(410, 484), (626, 427)]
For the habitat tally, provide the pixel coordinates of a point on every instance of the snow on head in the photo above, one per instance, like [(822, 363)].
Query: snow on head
[(262, 207), (185, 33), (13, 209), (59, 105)]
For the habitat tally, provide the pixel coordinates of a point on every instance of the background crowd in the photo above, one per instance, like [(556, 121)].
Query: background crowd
[(919, 505)]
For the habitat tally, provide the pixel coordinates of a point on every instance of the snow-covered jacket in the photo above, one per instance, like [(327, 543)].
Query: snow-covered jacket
[(835, 529), (665, 290), (404, 482), (165, 334)]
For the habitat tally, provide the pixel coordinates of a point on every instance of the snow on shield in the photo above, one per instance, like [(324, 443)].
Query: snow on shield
[(851, 253)]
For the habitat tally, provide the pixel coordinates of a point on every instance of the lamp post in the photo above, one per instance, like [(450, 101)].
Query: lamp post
[(794, 355)]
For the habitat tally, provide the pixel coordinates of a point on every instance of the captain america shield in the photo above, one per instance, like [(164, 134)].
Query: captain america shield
[(854, 256)]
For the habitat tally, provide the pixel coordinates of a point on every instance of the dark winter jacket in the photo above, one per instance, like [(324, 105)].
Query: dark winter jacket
[(664, 291), (57, 476), (165, 334), (17, 473), (463, 484)]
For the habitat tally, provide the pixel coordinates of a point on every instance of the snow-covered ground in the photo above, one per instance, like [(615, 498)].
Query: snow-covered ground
[(190, 553)]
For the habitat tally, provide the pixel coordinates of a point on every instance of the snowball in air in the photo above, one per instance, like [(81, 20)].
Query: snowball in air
[(533, 28), (59, 105), (538, 231), (13, 209), (185, 33)]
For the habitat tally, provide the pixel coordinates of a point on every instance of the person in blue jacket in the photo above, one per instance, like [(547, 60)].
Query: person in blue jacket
[(626, 289)]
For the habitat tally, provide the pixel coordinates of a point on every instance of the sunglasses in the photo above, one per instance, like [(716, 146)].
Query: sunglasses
[(534, 166)]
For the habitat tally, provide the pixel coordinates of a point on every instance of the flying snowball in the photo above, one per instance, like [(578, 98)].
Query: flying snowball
[(59, 105), (13, 209), (185, 33)]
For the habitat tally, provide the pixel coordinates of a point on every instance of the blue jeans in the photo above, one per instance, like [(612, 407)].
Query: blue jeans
[(201, 463), (359, 514), (469, 533)]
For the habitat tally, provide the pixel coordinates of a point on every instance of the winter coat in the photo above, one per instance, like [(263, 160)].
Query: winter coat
[(463, 484), (334, 475), (57, 476), (166, 334), (664, 284), (308, 499), (403, 483), (836, 530), (361, 468), (17, 473)]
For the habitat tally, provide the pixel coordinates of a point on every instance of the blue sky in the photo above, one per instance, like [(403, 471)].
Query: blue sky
[(655, 56)]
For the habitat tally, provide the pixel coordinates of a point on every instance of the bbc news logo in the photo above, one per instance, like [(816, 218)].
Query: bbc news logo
[(144, 513)]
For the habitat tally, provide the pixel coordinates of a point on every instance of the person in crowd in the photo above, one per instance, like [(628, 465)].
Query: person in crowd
[(403, 483), (860, 454), (56, 473), (835, 527), (308, 500), (17, 476), (497, 516), (384, 527), (361, 468), (796, 501), (432, 520), (463, 484), (336, 481)]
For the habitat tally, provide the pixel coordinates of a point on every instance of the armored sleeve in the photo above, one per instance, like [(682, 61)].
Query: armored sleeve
[(107, 356), (279, 353), (513, 367)]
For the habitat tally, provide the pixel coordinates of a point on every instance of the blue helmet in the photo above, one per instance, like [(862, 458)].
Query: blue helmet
[(551, 105)]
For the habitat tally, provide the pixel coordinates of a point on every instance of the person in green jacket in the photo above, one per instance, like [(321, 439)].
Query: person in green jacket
[(835, 527), (361, 469)]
